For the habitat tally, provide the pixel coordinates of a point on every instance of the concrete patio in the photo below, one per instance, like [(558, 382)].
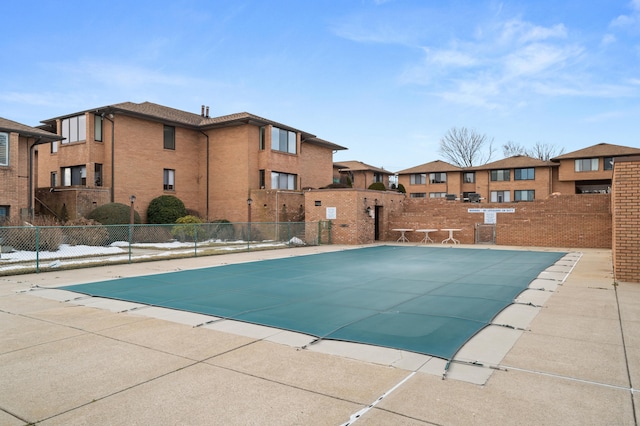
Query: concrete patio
[(66, 359)]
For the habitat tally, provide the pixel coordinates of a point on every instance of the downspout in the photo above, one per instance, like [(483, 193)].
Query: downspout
[(113, 156), (31, 194), (207, 185)]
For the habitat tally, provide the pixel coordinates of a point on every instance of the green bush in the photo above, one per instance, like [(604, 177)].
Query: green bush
[(86, 232), (377, 186), (187, 228), (401, 188), (114, 214), (165, 209)]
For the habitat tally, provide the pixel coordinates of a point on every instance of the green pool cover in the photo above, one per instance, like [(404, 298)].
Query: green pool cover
[(429, 300)]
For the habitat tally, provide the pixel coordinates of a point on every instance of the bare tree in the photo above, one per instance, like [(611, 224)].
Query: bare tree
[(466, 148), (541, 151), (511, 148), (544, 151)]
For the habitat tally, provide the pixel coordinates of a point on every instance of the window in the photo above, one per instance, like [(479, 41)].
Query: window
[(500, 197), (437, 177), (418, 179), (169, 137), (262, 179), (261, 138), (54, 179), (608, 163), (377, 177), (524, 195), (524, 174), (169, 180), (283, 181), (76, 175), (97, 128), (54, 147), (283, 140), (4, 149), (74, 129), (437, 195), (469, 177), (97, 174), (4, 213), (499, 175), (587, 165), (418, 195)]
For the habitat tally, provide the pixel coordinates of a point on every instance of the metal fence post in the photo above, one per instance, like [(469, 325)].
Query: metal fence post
[(130, 240), (37, 249)]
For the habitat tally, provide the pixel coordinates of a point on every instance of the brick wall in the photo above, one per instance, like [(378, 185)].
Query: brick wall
[(352, 224), (558, 221), (626, 219)]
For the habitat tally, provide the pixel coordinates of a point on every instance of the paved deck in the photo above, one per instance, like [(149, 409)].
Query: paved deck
[(93, 361)]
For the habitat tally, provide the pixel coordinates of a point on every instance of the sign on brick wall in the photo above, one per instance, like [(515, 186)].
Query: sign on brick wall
[(491, 215)]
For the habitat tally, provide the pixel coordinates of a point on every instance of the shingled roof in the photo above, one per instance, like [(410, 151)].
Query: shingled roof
[(433, 166), (359, 166), (156, 112), (13, 126), (517, 161), (599, 150)]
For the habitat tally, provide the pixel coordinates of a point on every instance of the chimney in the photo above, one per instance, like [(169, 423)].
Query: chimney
[(207, 113), (202, 111)]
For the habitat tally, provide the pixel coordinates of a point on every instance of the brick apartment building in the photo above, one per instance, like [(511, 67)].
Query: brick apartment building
[(517, 178), (18, 166), (212, 164), (360, 175)]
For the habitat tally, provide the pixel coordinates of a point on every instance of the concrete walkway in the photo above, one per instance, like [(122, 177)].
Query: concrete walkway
[(89, 361)]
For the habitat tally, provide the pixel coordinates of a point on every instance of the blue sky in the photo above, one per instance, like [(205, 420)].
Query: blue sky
[(386, 79)]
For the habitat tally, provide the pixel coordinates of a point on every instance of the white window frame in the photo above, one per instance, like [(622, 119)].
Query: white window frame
[(438, 177), (169, 180), (500, 197), (593, 164), (284, 181), (517, 194), (418, 179), (500, 175), (518, 173), (437, 195), (284, 140), (4, 149), (74, 129), (418, 195)]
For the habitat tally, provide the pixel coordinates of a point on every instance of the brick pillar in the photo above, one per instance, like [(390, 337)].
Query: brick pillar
[(626, 219)]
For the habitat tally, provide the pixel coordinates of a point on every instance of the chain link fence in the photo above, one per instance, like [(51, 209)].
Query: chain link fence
[(27, 249)]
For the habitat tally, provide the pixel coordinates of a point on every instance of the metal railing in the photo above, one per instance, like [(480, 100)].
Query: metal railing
[(27, 249)]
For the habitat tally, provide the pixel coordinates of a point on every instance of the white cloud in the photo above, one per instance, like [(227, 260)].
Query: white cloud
[(608, 39), (537, 58), (630, 20), (451, 58), (517, 31)]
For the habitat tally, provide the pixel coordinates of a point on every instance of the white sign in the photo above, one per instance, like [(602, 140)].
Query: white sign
[(331, 213), (491, 210), (491, 215)]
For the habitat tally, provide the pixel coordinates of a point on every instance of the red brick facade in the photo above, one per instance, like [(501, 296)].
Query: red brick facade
[(626, 219), (217, 163), (560, 221)]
